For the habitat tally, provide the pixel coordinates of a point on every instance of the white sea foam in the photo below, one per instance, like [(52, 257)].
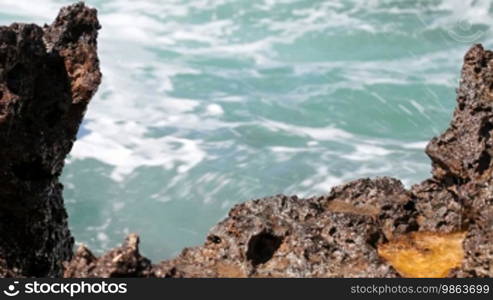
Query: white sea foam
[(416, 145), (319, 134), (366, 152), (214, 109)]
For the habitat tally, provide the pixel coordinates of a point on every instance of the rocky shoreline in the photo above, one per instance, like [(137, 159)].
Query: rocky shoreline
[(441, 227)]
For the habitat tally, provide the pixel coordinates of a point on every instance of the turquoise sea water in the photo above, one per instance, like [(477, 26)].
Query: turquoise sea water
[(208, 103)]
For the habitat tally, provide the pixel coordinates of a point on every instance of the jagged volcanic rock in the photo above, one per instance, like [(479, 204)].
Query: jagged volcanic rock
[(120, 262), (462, 163), (463, 152), (47, 77)]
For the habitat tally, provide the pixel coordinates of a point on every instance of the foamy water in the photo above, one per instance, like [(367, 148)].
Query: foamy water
[(208, 103)]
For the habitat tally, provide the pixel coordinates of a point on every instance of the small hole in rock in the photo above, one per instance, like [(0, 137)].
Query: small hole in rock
[(483, 162), (262, 247), (485, 129), (412, 226), (387, 207), (409, 205), (441, 223), (214, 239), (373, 239)]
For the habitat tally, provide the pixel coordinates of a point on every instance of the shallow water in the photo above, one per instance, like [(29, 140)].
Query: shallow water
[(209, 103)]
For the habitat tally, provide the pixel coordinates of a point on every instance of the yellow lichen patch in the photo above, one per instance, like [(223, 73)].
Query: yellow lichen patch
[(424, 254), (339, 206)]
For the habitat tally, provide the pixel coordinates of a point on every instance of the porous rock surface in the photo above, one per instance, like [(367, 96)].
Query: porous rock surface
[(47, 77), (334, 235)]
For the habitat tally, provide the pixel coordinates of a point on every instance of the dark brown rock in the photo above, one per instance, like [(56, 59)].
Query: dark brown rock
[(462, 165), (124, 261), (47, 77), (438, 208), (463, 152), (6, 272), (285, 237), (478, 216)]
